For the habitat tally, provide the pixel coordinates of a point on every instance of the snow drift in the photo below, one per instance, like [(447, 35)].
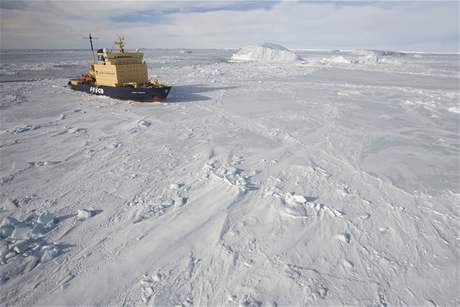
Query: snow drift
[(268, 53)]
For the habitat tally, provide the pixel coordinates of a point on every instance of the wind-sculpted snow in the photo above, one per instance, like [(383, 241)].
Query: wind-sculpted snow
[(324, 183)]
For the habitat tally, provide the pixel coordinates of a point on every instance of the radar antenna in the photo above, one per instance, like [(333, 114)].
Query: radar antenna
[(120, 42)]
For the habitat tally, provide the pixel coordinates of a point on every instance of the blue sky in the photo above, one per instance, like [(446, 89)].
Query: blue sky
[(395, 25)]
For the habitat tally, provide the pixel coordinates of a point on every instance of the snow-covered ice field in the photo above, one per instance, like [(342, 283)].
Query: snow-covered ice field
[(329, 181)]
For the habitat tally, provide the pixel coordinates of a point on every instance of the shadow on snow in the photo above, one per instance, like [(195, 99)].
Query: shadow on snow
[(193, 92)]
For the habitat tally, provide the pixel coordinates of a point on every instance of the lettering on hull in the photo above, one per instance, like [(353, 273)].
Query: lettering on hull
[(96, 90)]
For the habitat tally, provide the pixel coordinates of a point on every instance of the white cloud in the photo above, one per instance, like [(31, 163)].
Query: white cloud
[(424, 26)]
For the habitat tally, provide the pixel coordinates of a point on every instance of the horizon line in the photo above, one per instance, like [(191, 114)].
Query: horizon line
[(236, 48)]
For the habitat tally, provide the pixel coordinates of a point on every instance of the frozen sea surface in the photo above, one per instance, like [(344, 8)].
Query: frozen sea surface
[(332, 181)]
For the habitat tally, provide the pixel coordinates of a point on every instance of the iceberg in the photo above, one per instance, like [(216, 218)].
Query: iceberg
[(267, 53)]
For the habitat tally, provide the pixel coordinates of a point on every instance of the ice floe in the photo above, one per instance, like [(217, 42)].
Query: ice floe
[(145, 206), (23, 243), (84, 214), (144, 123), (26, 128), (230, 172)]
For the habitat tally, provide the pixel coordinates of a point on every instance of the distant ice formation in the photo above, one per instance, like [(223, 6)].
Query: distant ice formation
[(380, 53), (368, 56), (268, 53), (335, 60), (365, 57)]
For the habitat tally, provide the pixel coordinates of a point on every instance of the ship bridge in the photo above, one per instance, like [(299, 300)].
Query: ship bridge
[(120, 68)]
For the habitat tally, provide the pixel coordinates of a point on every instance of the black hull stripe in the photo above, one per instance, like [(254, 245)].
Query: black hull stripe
[(126, 93)]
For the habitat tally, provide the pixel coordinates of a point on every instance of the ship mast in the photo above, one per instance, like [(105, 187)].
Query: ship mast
[(120, 42), (92, 48)]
